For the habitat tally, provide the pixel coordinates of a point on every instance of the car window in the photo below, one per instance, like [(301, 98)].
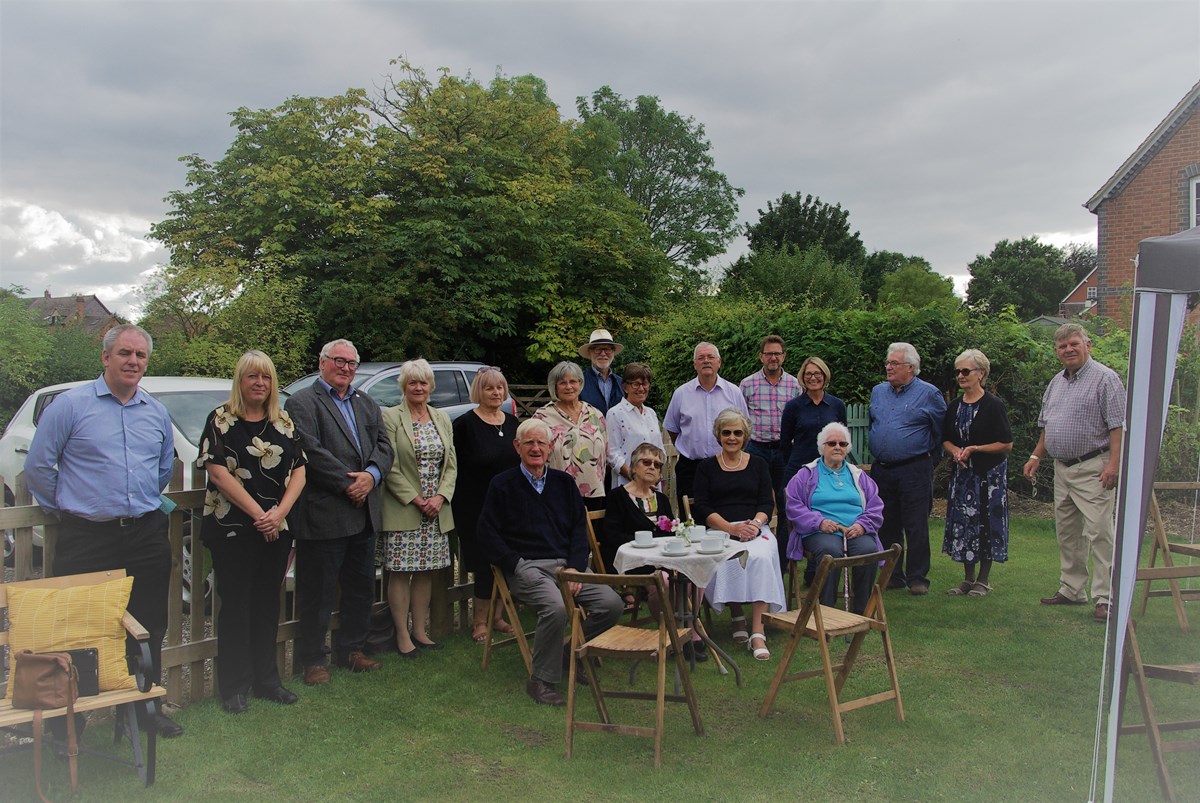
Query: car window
[(386, 392), (446, 392), (189, 409), (42, 403)]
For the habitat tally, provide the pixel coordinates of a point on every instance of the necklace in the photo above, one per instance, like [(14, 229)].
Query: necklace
[(573, 417), (838, 476), (728, 467), (499, 426)]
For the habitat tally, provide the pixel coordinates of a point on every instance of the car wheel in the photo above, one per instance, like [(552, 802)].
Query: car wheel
[(187, 580)]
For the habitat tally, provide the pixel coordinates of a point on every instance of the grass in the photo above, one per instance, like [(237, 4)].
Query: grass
[(1000, 695)]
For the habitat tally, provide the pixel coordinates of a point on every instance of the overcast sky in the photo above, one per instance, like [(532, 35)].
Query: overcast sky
[(943, 127)]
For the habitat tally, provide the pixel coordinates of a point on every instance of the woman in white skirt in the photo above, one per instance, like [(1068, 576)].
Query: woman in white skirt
[(733, 494)]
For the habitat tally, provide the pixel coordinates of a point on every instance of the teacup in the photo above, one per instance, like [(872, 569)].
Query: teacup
[(712, 541), (675, 546), (724, 536), (696, 532), (643, 537)]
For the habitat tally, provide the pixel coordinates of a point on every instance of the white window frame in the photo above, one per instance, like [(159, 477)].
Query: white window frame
[(1194, 198), (1093, 293)]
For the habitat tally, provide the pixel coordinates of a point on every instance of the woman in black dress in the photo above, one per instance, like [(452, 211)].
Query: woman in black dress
[(483, 439), (255, 474), (637, 504)]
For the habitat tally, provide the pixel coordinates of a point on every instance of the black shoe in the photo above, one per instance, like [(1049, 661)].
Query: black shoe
[(427, 645), (543, 693), (166, 727), (278, 695), (235, 704), (695, 651), (413, 653)]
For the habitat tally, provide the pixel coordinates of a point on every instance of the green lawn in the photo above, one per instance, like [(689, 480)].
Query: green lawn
[(1000, 695)]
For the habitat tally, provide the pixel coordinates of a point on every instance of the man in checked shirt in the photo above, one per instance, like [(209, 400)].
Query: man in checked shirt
[(767, 391), (1082, 419)]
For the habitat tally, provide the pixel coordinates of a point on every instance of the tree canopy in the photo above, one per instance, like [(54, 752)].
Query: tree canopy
[(916, 285), (663, 162), (1027, 274), (807, 279), (436, 218), (796, 224)]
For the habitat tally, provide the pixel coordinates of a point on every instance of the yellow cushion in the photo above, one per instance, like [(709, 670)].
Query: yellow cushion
[(56, 619)]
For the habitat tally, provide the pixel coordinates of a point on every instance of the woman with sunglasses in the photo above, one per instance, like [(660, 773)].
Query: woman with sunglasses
[(631, 423), (733, 494), (835, 509), (977, 437), (637, 504)]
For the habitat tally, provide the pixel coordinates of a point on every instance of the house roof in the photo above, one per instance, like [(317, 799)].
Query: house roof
[(1084, 281), (1149, 147), (88, 310)]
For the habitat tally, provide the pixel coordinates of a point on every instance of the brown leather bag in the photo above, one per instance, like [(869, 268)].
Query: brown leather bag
[(44, 681)]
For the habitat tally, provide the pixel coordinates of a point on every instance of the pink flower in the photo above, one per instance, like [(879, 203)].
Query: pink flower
[(664, 524)]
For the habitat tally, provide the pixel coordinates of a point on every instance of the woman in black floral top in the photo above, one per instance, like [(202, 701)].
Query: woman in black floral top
[(255, 474)]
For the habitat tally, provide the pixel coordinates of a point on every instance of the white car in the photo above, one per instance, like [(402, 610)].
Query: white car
[(188, 399)]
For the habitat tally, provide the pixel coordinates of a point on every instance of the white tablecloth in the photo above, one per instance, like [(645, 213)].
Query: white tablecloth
[(696, 566)]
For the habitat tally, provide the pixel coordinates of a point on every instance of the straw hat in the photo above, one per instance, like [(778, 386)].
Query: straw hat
[(600, 337)]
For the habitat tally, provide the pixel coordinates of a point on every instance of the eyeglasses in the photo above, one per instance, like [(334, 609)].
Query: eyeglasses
[(893, 364), (736, 433), (342, 362), (637, 383), (841, 444), (485, 369), (965, 371), (772, 353), (648, 463), (602, 349), (540, 443), (813, 375)]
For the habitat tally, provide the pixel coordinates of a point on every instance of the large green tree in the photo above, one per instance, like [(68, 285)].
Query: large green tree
[(806, 279), (918, 286), (796, 224), (663, 162), (1026, 274), (442, 218), (878, 265)]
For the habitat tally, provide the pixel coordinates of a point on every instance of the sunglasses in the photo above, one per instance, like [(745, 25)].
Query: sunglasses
[(964, 371), (648, 463), (737, 433), (842, 444)]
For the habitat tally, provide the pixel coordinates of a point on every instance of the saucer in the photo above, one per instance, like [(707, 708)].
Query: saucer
[(650, 545), (716, 551), (676, 553)]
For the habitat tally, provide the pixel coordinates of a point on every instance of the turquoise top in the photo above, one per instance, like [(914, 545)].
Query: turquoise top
[(835, 496)]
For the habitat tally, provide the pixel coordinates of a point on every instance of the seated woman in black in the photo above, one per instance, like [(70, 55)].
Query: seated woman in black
[(636, 505)]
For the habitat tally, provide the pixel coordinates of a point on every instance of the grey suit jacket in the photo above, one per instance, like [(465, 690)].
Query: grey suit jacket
[(331, 451)]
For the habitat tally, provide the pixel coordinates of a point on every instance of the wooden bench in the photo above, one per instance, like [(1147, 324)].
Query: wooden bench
[(128, 702)]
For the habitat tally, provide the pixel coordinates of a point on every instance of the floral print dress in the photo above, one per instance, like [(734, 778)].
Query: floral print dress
[(425, 548), (976, 507), (580, 449), (260, 454)]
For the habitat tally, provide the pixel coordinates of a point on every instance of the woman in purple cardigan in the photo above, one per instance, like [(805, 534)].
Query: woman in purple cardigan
[(834, 509)]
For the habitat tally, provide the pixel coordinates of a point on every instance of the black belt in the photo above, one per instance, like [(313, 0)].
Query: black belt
[(898, 463), (125, 521), (768, 444), (1088, 456)]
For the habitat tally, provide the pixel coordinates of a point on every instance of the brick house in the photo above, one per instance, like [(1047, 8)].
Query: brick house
[(86, 311), (1154, 193), (1082, 299)]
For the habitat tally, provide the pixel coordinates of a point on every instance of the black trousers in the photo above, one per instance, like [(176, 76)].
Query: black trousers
[(321, 566), (249, 571), (141, 548)]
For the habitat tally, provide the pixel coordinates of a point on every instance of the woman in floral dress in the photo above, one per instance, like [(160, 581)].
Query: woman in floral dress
[(977, 437), (579, 438), (416, 505), (255, 474)]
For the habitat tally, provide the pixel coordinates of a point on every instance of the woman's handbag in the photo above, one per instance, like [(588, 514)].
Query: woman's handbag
[(44, 681)]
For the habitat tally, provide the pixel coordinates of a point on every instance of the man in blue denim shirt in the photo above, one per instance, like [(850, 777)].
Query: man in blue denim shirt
[(906, 433)]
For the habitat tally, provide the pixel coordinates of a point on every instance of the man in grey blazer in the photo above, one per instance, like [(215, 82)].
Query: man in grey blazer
[(348, 454)]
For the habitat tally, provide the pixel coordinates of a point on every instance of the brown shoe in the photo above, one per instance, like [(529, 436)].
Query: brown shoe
[(358, 662), (918, 589), (316, 675), (1100, 612), (543, 693), (1059, 599)]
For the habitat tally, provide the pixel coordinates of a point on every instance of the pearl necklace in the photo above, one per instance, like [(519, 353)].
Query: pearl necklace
[(735, 467)]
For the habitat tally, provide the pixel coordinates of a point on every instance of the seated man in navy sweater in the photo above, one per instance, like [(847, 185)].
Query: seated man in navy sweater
[(532, 524)]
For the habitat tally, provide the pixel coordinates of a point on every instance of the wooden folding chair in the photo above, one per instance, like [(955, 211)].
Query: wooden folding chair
[(1169, 548), (502, 596), (794, 584), (597, 560), (823, 624), (1141, 672), (662, 645)]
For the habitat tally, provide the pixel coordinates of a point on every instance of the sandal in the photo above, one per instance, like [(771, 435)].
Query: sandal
[(959, 590), (740, 636), (479, 633), (501, 626), (759, 653), (980, 590)]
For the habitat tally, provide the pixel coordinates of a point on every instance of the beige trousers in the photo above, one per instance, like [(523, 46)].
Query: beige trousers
[(1083, 520)]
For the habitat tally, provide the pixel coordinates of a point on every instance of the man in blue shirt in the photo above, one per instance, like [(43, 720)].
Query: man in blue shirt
[(906, 433), (100, 458)]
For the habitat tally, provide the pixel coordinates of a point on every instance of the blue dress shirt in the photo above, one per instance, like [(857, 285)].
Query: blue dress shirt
[(346, 408), (99, 459), (907, 422)]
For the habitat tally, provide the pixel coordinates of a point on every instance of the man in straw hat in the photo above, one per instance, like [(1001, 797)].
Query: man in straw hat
[(601, 386)]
